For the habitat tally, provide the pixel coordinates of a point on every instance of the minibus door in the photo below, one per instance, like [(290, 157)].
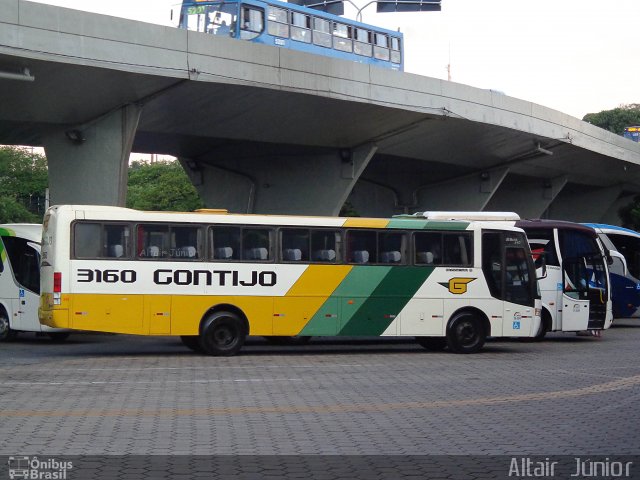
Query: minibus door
[(575, 295), (27, 310)]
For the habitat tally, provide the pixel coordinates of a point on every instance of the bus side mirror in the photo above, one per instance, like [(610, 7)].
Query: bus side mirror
[(607, 256)]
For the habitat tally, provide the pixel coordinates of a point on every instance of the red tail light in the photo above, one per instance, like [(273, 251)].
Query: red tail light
[(57, 282)]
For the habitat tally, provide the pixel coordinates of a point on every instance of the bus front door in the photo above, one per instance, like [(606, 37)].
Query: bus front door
[(25, 310), (575, 296)]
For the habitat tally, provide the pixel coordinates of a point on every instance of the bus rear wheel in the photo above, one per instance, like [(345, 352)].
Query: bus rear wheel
[(432, 343), (6, 333), (222, 334), (545, 325), (465, 333)]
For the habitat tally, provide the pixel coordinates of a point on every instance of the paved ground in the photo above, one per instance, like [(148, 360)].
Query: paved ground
[(125, 395)]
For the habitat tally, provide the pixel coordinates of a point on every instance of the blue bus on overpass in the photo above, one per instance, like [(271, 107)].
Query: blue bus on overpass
[(632, 133), (288, 25)]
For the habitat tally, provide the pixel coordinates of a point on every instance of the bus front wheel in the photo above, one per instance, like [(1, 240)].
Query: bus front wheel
[(222, 334), (466, 333), (6, 333), (545, 325)]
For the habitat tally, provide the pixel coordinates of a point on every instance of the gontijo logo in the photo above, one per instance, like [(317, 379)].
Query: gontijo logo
[(457, 285)]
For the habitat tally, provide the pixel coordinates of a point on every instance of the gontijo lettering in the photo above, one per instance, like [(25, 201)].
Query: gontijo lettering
[(165, 276)]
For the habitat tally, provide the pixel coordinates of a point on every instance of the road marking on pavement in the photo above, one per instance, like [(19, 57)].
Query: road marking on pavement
[(612, 386), (154, 382)]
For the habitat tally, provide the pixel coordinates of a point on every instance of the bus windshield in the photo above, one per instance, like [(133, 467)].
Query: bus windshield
[(217, 18)]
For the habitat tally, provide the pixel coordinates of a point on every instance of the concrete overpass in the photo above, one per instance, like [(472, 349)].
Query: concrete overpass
[(264, 129)]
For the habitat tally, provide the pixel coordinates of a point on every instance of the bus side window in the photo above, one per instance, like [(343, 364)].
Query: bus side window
[(300, 27), (225, 243), (186, 243), (428, 248), (87, 240), (362, 45), (257, 244), (325, 246), (342, 37), (294, 244), (456, 249), (153, 241), (362, 246), (381, 47), (392, 247), (321, 32), (492, 262), (251, 23), (25, 262), (396, 55), (278, 22), (117, 241)]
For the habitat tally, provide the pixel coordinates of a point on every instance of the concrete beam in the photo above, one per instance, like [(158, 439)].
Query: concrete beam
[(528, 197), (468, 193), (89, 163), (583, 205), (304, 184)]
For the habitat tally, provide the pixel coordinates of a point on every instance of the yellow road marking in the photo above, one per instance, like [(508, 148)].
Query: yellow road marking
[(612, 386)]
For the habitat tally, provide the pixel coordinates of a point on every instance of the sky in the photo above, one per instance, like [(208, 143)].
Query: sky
[(575, 56)]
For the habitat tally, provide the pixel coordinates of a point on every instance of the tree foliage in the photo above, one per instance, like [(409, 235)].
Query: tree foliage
[(23, 183), (630, 214), (615, 120), (24, 180), (161, 186)]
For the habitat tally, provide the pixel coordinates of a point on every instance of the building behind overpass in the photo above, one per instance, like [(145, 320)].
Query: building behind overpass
[(265, 129)]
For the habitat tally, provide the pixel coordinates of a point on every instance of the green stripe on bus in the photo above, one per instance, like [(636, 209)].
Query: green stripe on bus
[(377, 310), (356, 287), (426, 224), (5, 232)]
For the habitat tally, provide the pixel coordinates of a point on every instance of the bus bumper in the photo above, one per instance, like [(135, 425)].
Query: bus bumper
[(54, 318)]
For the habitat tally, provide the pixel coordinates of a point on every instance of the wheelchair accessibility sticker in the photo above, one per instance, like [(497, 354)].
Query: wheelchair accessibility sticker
[(517, 317)]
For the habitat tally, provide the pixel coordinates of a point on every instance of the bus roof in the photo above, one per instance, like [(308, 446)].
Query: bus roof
[(98, 212), (605, 228), (29, 231), (479, 216), (559, 224)]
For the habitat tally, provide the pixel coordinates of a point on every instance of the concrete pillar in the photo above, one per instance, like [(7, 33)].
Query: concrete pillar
[(88, 164), (370, 199), (528, 197), (468, 193), (582, 204), (304, 184)]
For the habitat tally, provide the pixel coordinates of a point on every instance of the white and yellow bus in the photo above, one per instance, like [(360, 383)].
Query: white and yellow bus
[(20, 281), (213, 278)]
